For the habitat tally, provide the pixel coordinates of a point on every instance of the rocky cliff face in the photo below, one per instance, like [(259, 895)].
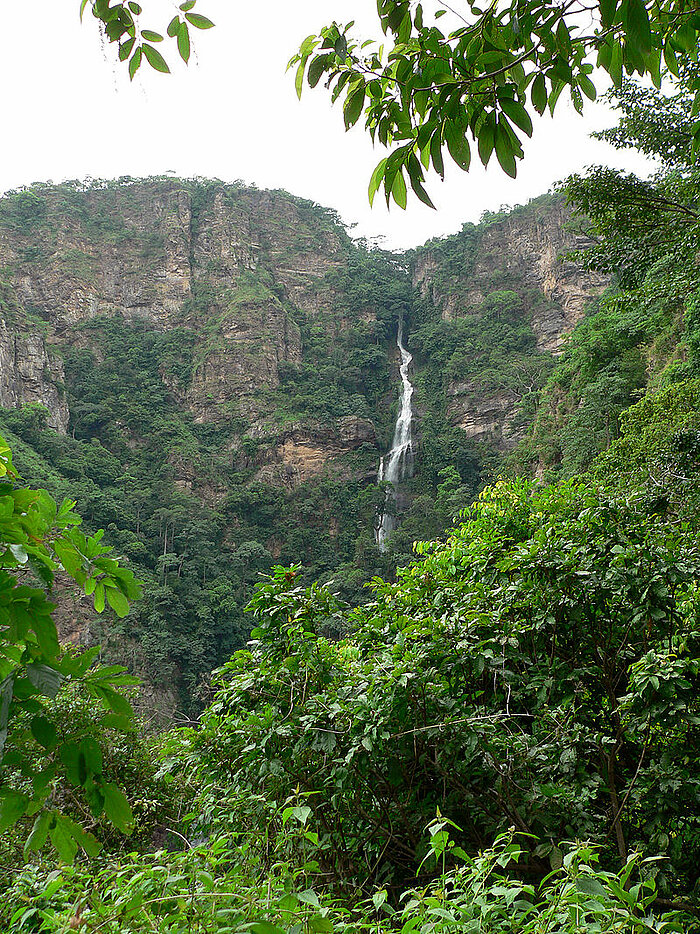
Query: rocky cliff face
[(525, 250), (29, 373), (524, 253), (304, 452), (240, 269), (235, 267), (484, 414)]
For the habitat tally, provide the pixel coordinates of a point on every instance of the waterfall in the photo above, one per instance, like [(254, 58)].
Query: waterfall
[(398, 462)]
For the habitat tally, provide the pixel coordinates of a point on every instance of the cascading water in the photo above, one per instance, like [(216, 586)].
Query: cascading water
[(398, 462)]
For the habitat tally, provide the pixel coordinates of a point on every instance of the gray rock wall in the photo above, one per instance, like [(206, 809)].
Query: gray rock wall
[(525, 252), (30, 374)]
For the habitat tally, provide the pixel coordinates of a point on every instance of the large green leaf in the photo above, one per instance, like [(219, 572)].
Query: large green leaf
[(63, 839), (117, 807), (199, 21), (113, 699), (353, 105), (505, 152), (398, 189), (39, 833), (515, 111), (457, 145), (46, 634), (92, 755), (13, 805), (135, 62), (45, 679), (154, 58), (117, 601), (637, 25), (183, 43), (43, 731), (376, 179)]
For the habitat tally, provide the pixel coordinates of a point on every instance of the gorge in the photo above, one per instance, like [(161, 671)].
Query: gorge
[(209, 371), (347, 590)]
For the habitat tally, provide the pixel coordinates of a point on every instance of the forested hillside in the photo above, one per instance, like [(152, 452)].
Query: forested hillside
[(215, 361)]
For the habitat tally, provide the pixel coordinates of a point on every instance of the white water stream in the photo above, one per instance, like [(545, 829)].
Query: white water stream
[(398, 462)]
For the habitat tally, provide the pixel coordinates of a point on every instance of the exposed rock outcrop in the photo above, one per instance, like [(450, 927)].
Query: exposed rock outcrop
[(526, 250), (29, 373), (301, 453), (227, 263), (186, 306), (522, 254), (484, 414)]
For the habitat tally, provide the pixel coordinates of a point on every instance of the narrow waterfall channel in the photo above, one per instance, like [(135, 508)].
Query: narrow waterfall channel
[(397, 463)]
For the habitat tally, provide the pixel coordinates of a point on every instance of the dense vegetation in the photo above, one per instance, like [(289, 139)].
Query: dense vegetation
[(503, 738), (536, 674), (644, 334)]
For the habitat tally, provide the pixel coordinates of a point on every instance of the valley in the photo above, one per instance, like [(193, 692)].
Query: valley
[(399, 536)]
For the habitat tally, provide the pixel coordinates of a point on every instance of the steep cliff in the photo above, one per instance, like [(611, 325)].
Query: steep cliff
[(29, 371), (239, 269), (30, 374), (507, 298), (524, 249)]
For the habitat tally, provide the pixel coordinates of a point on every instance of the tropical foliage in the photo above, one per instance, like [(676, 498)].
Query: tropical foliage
[(425, 91), (533, 671), (121, 23), (41, 763), (224, 886), (538, 670)]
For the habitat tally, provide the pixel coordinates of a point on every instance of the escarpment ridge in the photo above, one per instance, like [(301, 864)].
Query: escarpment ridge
[(212, 372)]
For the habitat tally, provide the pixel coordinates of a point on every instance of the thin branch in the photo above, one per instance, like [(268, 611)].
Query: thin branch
[(445, 723), (631, 784)]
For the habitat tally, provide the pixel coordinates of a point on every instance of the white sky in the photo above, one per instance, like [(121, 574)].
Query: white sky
[(70, 112)]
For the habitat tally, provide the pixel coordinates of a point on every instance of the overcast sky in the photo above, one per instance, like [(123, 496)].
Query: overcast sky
[(69, 112)]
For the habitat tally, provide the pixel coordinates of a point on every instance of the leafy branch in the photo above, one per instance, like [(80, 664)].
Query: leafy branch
[(121, 24)]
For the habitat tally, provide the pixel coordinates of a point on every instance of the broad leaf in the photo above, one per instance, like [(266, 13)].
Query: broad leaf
[(198, 21), (44, 732), (45, 679), (155, 60), (117, 807), (13, 805)]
